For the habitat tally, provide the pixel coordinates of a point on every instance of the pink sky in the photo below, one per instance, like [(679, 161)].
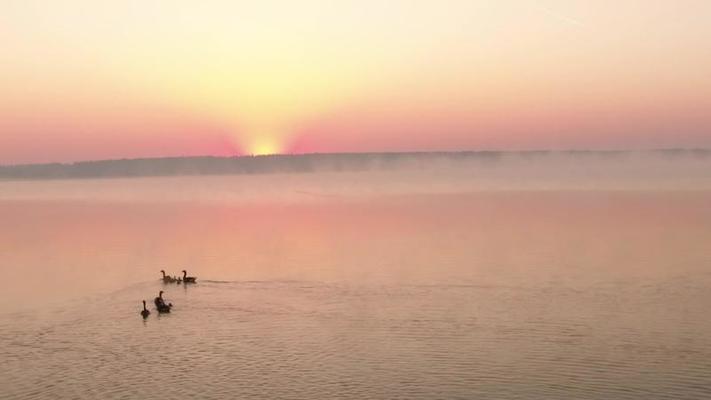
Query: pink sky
[(84, 80)]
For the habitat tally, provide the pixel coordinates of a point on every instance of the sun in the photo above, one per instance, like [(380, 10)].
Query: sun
[(263, 146)]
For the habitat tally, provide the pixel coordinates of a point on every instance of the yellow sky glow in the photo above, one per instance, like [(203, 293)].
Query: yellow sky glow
[(267, 72)]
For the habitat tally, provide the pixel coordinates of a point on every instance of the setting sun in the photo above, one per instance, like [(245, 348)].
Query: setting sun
[(264, 145)]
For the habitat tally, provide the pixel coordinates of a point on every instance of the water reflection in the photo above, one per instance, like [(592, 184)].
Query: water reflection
[(553, 294)]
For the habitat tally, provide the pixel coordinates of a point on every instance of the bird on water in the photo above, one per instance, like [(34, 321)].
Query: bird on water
[(145, 313), (167, 278), (188, 279), (160, 304)]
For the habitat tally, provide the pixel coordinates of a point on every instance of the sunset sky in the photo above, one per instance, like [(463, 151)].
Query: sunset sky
[(87, 79)]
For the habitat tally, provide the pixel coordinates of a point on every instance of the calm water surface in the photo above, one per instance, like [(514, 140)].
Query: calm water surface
[(530, 294)]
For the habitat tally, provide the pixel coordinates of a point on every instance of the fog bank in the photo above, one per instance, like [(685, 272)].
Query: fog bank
[(355, 176)]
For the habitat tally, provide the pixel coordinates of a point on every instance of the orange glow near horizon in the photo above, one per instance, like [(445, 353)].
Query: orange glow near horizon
[(84, 80)]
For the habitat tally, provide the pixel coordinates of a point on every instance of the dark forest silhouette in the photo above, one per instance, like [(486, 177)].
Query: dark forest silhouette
[(302, 163)]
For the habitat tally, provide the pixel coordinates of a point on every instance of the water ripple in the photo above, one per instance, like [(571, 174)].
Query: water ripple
[(300, 340)]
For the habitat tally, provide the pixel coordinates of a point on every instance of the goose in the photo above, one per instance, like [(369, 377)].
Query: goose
[(145, 313), (160, 304), (167, 279), (158, 301), (188, 279)]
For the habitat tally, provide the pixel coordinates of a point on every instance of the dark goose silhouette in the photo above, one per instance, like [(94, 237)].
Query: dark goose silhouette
[(160, 304), (167, 278), (145, 313), (188, 279)]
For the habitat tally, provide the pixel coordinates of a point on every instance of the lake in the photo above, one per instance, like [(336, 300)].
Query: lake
[(354, 285)]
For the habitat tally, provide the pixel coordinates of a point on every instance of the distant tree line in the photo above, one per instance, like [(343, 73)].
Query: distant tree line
[(302, 163)]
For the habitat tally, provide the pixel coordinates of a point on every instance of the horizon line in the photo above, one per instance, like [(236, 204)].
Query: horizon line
[(344, 153)]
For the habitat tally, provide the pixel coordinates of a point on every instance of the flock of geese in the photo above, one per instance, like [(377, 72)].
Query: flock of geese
[(161, 306)]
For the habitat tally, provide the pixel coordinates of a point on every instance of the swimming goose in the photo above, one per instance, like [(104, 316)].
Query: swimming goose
[(188, 279), (167, 279), (145, 313), (158, 301), (160, 304)]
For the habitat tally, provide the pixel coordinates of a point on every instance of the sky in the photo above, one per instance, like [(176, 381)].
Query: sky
[(87, 80)]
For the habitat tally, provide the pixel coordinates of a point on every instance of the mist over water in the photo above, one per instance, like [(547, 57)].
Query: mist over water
[(328, 178), (540, 276)]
